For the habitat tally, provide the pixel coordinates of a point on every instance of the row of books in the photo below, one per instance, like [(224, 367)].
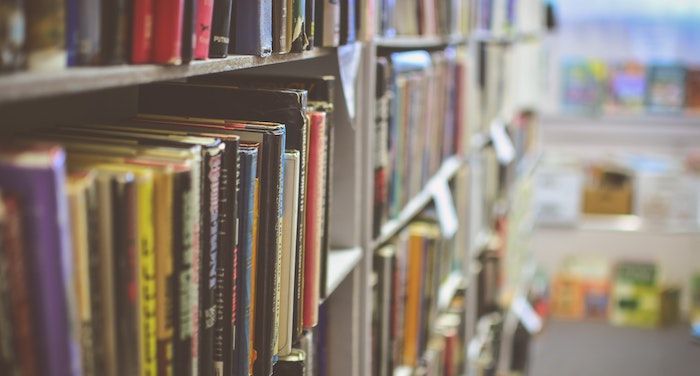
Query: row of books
[(408, 273), (420, 123), (594, 86), (51, 34), (423, 17), (189, 240)]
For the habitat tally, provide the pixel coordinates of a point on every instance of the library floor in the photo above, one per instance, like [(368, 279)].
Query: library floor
[(599, 349)]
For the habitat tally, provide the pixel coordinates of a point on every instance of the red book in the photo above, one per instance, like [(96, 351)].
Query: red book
[(142, 31), (315, 184), (167, 31), (203, 29)]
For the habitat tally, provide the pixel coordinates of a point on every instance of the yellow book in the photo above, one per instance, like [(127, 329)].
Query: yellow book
[(78, 185), (412, 308)]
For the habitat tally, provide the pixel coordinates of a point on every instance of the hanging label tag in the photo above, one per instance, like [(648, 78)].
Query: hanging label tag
[(527, 315), (349, 64), (502, 144), (445, 207)]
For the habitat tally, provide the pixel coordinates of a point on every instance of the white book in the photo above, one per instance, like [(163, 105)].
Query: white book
[(289, 243)]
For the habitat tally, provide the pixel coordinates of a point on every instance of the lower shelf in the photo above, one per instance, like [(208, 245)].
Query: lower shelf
[(340, 263)]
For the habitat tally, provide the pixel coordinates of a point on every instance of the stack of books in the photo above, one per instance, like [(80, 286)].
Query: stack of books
[(420, 123), (188, 240), (52, 34), (408, 328)]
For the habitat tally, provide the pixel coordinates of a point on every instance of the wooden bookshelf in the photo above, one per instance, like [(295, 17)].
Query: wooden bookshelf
[(31, 85)]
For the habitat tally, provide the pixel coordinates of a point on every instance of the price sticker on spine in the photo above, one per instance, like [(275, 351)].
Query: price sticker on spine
[(445, 207)]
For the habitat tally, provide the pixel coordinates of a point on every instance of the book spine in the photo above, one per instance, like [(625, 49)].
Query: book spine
[(189, 22), (142, 31), (315, 187), (164, 217), (220, 28), (184, 219), (300, 40), (209, 360), (167, 31), (8, 355), (94, 261), (78, 207), (147, 282), (19, 286), (188, 349), (327, 199), (72, 19), (348, 33), (225, 326), (310, 24), (244, 279), (205, 10), (289, 239), (13, 34), (254, 277), (89, 31), (328, 23), (125, 262), (46, 35), (279, 27), (115, 30), (251, 29)]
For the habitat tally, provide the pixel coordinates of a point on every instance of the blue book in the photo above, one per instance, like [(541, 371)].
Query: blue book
[(72, 34), (251, 30)]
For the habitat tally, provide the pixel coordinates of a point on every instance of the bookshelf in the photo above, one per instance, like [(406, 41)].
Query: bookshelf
[(92, 94), (31, 85)]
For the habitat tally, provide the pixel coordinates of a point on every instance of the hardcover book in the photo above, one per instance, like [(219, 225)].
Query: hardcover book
[(289, 249), (327, 26), (205, 9), (37, 175), (89, 32), (244, 275), (141, 30), (167, 31), (251, 29), (666, 88), (189, 22), (281, 42), (115, 32), (220, 28)]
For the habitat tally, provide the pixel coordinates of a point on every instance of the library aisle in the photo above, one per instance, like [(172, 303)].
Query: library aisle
[(349, 187)]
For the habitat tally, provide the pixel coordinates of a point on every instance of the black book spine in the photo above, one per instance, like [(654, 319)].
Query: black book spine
[(188, 30), (72, 17), (227, 258), (310, 23), (211, 175), (124, 197), (12, 35), (115, 31), (220, 28), (183, 239)]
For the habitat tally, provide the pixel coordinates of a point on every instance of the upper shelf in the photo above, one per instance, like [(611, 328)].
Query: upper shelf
[(30, 85), (411, 42)]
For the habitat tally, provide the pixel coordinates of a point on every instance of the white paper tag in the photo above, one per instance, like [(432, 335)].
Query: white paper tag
[(502, 144), (527, 315), (445, 207), (349, 64)]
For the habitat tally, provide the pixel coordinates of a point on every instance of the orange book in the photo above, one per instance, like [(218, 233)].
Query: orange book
[(412, 310)]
